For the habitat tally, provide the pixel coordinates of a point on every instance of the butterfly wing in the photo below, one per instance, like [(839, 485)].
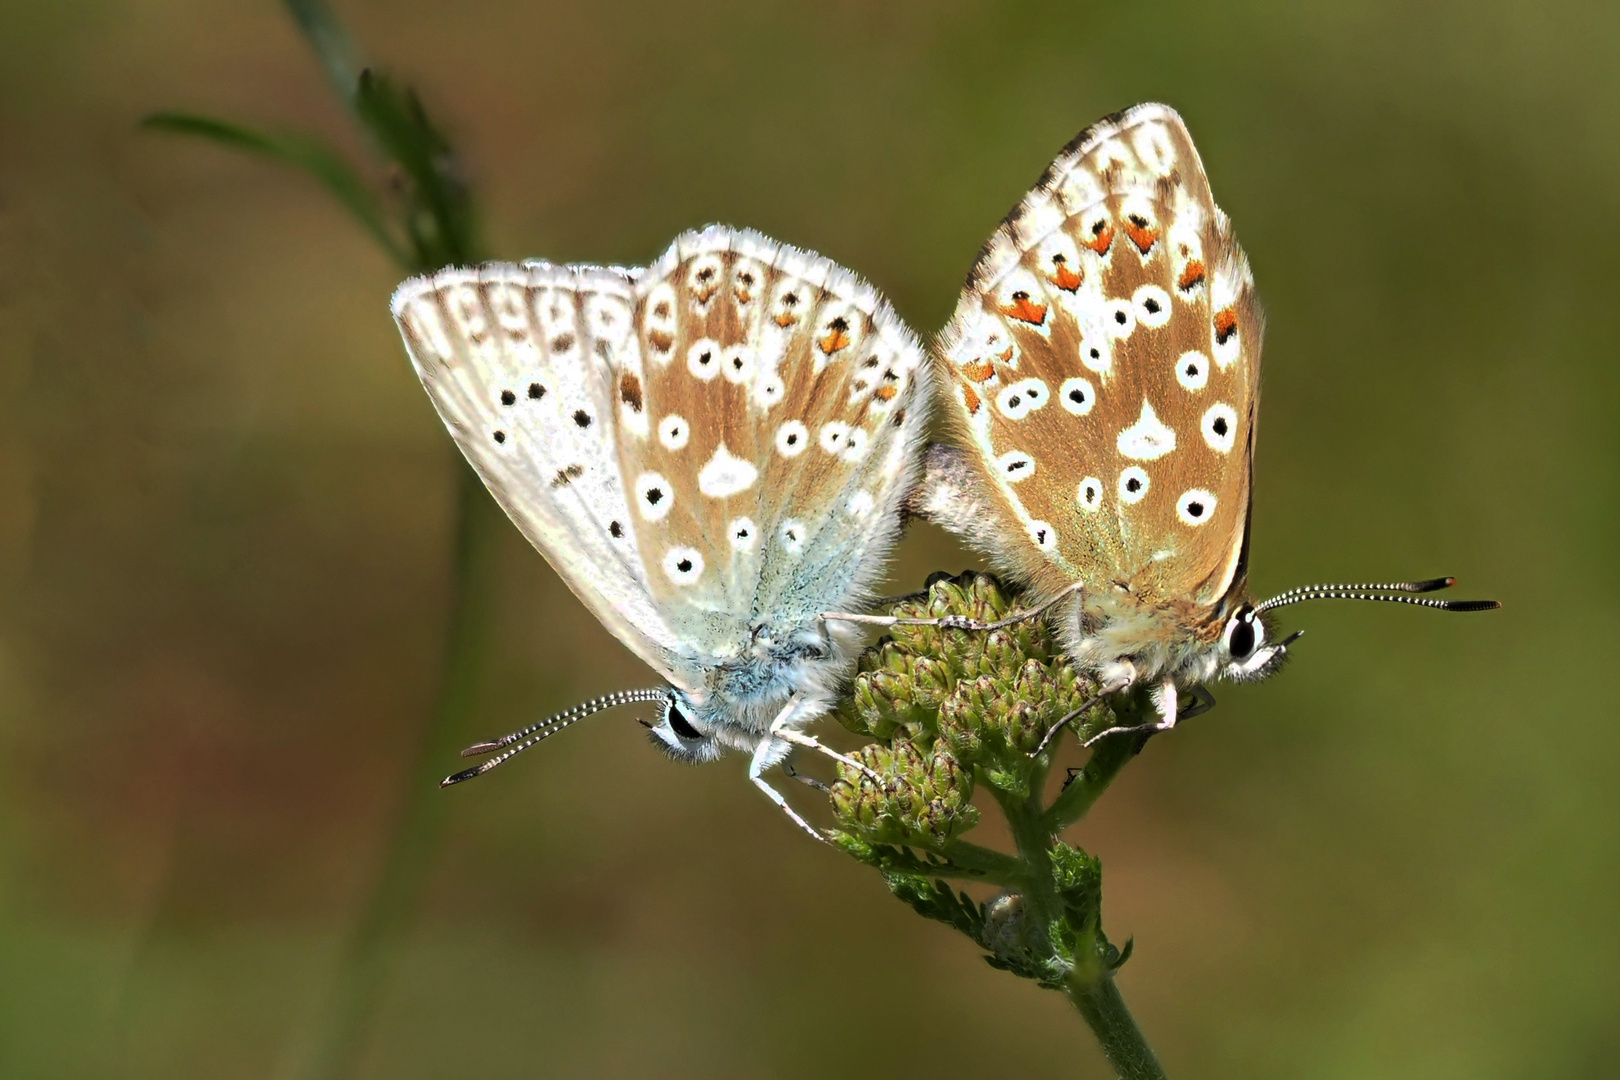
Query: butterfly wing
[(520, 363), (689, 445), (782, 405), (1103, 366)]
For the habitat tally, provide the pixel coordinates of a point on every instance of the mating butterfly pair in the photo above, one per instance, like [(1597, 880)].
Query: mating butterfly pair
[(715, 452)]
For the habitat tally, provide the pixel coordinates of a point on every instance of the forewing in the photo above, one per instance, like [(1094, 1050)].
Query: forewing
[(1103, 367), (772, 430), (522, 364)]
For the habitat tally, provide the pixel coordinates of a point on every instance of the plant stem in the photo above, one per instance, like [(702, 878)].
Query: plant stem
[(372, 952), (1099, 1001), (1075, 800)]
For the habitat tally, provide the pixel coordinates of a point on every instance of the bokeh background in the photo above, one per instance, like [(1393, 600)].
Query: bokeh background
[(227, 516)]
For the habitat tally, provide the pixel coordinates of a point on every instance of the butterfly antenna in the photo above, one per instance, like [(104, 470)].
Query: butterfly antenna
[(1369, 590), (518, 741)]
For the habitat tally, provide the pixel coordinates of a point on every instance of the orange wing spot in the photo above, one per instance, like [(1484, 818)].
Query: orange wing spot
[(1225, 325), (885, 392), (1006, 355), (660, 341), (1024, 311), (785, 320), (834, 339), (1064, 278), (706, 293), (971, 399), (1141, 234), (630, 392), (1191, 276), (979, 370), (1101, 240)]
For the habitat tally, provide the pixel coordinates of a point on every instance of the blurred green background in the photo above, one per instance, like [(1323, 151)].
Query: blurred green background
[(226, 514)]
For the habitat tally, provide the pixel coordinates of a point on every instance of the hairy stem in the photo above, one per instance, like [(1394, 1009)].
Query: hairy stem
[(1099, 1001)]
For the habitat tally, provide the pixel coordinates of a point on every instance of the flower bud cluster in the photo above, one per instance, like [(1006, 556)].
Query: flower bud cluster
[(925, 799), (988, 696)]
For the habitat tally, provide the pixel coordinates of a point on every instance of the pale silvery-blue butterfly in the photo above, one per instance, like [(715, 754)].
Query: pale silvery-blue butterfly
[(712, 452)]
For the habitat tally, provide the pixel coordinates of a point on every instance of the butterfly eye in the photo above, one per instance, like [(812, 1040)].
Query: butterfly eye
[(681, 725), (1240, 637)]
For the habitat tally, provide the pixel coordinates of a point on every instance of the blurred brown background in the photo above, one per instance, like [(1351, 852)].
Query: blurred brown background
[(225, 511)]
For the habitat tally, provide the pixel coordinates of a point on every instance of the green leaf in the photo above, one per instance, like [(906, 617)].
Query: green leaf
[(439, 217), (330, 43), (308, 155)]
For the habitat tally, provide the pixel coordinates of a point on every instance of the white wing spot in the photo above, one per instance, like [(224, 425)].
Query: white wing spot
[(1097, 355), (1195, 506), (1119, 318), (1220, 427), (1043, 535), (684, 565), (1089, 494), (1152, 306), (1148, 439), (1016, 465), (744, 535), (769, 391), (654, 496), (673, 431), (1077, 395), (855, 444), (1022, 398), (793, 533), (1133, 485), (738, 364), (860, 504), (834, 436), (792, 438), (1192, 370), (726, 474), (703, 358)]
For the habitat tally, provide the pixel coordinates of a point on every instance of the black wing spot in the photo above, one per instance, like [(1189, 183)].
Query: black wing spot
[(615, 530), (654, 496), (500, 436), (1133, 485), (1152, 305), (536, 391), (1119, 317), (1195, 509), (1219, 425), (582, 418), (508, 398)]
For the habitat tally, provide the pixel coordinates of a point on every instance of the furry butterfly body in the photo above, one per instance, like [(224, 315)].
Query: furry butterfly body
[(711, 452)]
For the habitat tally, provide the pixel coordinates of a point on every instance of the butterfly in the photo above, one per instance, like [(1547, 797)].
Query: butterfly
[(1102, 377), (711, 451)]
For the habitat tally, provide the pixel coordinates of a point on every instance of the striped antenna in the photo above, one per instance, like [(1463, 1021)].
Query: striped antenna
[(519, 741), (1379, 591)]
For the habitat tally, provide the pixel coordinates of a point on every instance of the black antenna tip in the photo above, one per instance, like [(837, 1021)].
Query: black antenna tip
[(1473, 605), (1432, 585), (456, 778), (479, 748)]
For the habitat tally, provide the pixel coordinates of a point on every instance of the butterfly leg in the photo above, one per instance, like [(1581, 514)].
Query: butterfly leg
[(795, 774), (956, 622), (1203, 701), (1164, 699), (1102, 692), (780, 730), (763, 758)]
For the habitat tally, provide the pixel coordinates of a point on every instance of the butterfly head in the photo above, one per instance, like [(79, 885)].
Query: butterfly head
[(1247, 652), (684, 729)]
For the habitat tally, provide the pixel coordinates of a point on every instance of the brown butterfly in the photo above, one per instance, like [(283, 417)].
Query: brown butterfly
[(1102, 373)]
